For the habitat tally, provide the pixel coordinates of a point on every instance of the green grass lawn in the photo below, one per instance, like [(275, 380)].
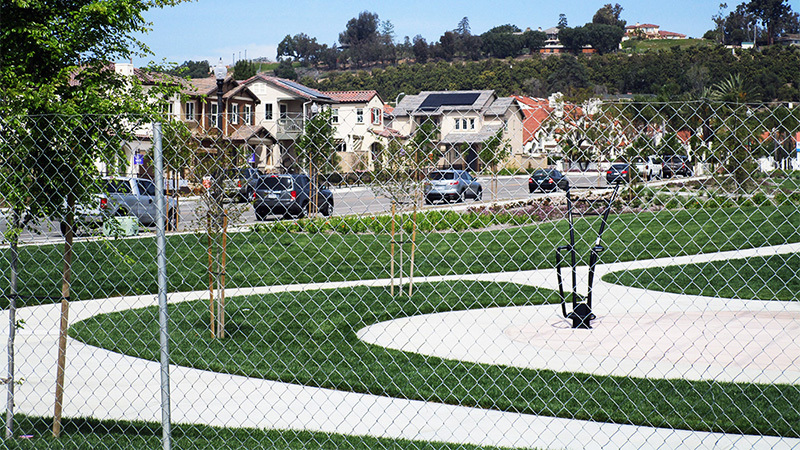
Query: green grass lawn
[(664, 44), (775, 277), (107, 435), (128, 267)]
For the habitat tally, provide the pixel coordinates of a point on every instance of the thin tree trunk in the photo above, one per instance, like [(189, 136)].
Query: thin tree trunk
[(391, 265), (221, 287), (212, 319), (66, 281), (413, 247)]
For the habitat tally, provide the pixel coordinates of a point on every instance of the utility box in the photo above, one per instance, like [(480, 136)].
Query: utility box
[(121, 226)]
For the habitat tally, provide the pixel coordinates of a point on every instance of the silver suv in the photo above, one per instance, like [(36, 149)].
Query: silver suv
[(451, 185), (124, 196)]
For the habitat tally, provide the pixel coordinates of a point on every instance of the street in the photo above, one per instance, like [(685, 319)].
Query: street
[(359, 200)]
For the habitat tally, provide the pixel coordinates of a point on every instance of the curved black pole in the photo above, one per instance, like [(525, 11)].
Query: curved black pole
[(595, 255)]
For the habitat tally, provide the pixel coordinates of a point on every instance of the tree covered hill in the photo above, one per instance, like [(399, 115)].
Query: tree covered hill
[(768, 74)]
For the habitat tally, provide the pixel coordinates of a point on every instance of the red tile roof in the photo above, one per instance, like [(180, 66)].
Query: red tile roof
[(641, 25), (670, 34), (535, 111), (352, 96)]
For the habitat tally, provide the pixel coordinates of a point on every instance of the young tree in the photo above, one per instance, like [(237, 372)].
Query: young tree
[(316, 150)]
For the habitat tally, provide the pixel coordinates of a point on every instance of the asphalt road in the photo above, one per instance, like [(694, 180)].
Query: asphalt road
[(360, 200)]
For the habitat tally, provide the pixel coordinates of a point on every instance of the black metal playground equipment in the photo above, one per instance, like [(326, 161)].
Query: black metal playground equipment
[(581, 314)]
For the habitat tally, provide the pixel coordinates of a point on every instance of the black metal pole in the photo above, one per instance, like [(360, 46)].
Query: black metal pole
[(597, 247)]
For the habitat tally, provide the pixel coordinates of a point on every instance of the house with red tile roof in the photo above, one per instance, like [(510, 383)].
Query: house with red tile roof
[(649, 31), (196, 106), (360, 132)]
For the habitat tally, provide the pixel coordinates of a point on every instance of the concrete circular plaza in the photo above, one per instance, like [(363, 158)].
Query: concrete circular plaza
[(638, 333)]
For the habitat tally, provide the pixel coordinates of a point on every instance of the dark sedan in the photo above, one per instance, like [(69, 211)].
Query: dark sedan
[(619, 172), (289, 195), (547, 180)]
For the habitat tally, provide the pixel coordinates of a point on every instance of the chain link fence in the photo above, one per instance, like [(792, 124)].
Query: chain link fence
[(527, 273)]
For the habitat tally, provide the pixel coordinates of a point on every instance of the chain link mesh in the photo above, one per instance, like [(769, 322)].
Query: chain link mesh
[(524, 273)]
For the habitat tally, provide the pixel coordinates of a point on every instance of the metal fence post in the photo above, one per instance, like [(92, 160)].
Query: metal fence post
[(163, 317)]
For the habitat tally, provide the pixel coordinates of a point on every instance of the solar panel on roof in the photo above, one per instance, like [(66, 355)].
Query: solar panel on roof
[(303, 89), (434, 101)]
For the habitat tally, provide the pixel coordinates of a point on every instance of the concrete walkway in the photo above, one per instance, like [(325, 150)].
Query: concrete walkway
[(108, 385)]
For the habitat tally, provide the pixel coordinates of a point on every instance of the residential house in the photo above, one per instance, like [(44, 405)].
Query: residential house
[(553, 45), (284, 105), (466, 121), (649, 31), (359, 120), (789, 39), (238, 125)]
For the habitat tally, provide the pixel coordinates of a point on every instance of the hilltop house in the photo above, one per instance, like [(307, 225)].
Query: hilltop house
[(649, 31)]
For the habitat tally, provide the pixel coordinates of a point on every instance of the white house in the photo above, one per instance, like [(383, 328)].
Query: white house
[(466, 121)]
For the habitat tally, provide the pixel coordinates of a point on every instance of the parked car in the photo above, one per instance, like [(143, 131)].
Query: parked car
[(619, 172), (677, 165), (289, 195), (451, 185), (240, 183), (547, 180), (124, 196), (649, 168)]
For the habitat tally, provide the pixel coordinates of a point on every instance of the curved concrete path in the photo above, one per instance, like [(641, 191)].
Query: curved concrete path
[(108, 385)]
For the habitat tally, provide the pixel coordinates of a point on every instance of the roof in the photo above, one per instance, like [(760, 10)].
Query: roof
[(641, 25), (246, 133), (293, 87), (352, 96), (663, 33), (500, 106), (387, 133), (208, 87), (535, 112), (436, 102)]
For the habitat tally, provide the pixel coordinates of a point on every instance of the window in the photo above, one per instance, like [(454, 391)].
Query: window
[(268, 111), (360, 115), (234, 113), (214, 113), (335, 115), (248, 114), (376, 116), (189, 110), (472, 123), (458, 124)]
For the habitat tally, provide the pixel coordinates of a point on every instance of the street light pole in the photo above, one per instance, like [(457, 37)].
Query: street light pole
[(220, 73)]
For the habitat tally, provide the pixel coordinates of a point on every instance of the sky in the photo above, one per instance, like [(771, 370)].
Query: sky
[(238, 29)]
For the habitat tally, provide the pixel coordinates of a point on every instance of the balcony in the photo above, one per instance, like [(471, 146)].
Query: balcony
[(290, 126)]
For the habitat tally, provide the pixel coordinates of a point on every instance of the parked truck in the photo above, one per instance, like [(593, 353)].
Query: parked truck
[(649, 168), (124, 196)]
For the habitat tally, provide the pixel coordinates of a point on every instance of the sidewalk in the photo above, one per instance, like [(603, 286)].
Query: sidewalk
[(107, 385)]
